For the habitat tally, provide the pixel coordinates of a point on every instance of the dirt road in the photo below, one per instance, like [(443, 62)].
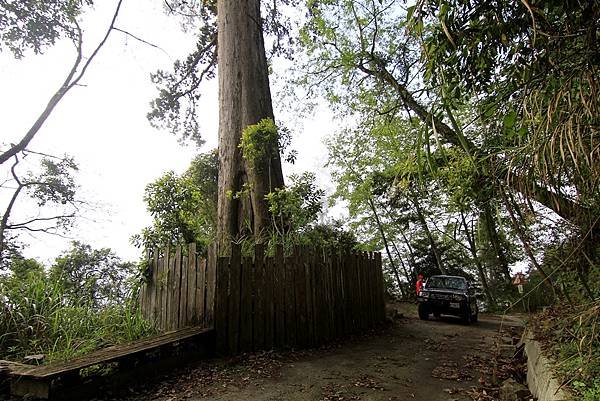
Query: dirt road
[(436, 360)]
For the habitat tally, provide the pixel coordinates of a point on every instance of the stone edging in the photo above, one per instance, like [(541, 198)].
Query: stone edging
[(540, 377)]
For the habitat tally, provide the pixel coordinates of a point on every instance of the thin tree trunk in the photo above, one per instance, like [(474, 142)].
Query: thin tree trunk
[(411, 253), (423, 222), (523, 238), (385, 243), (480, 271), (244, 99), (8, 211), (492, 232), (406, 274)]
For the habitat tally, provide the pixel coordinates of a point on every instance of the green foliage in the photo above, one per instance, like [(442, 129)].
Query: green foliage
[(532, 68), (42, 315), (52, 186), (55, 183), (184, 208), (260, 141), (93, 278), (263, 141), (35, 25), (297, 206)]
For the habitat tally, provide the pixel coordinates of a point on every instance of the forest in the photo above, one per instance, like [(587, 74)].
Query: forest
[(467, 143)]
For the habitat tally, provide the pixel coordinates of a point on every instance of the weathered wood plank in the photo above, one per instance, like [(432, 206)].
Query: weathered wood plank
[(245, 308), (211, 274), (258, 325), (300, 290), (279, 296), (191, 305), (290, 303), (200, 307), (317, 261), (155, 295), (330, 321), (269, 302), (221, 317), (183, 292), (361, 290), (346, 290), (107, 354), (306, 266), (165, 293), (367, 271), (335, 274), (234, 298), (380, 288), (176, 288)]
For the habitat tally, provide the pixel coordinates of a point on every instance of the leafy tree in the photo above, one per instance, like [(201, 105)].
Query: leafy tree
[(35, 25), (184, 208), (364, 63), (533, 69), (53, 187), (92, 277)]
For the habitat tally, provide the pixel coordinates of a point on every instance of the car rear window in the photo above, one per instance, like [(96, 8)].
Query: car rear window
[(455, 283)]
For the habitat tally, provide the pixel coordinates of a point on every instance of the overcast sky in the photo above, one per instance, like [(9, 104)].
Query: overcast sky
[(103, 124)]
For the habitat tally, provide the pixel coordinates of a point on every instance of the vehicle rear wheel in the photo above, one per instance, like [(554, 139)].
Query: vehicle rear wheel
[(423, 312)]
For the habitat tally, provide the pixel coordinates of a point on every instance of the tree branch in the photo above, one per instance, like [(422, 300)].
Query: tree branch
[(60, 93)]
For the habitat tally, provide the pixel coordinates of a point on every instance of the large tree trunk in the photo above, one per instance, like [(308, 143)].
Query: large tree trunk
[(244, 99)]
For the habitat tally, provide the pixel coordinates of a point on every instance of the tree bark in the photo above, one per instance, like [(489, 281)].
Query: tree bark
[(385, 243), (473, 250), (434, 248), (244, 99)]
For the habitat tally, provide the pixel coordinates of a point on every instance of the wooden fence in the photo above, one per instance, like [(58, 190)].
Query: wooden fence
[(180, 289), (305, 299)]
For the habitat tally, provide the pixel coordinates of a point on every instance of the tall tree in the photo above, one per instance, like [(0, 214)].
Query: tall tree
[(244, 100)]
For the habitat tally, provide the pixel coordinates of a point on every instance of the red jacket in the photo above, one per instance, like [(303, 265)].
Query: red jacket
[(419, 285)]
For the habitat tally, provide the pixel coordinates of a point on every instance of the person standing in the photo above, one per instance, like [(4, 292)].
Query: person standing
[(419, 284)]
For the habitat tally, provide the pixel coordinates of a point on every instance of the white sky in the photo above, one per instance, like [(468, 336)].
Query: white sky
[(103, 124)]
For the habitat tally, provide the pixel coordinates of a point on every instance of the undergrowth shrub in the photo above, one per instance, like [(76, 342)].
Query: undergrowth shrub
[(38, 317)]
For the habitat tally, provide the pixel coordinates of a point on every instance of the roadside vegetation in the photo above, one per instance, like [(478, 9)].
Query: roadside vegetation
[(86, 300)]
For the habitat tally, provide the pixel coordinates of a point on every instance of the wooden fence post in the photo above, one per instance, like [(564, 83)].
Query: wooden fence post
[(269, 301), (258, 326), (210, 285), (280, 298), (245, 304), (221, 303), (183, 292), (290, 303), (233, 317)]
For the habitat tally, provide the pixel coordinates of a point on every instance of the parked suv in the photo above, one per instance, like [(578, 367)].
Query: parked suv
[(448, 295)]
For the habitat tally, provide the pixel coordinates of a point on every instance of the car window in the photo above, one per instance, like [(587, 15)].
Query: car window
[(455, 283)]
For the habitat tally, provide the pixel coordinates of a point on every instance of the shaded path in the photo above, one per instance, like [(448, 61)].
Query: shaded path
[(410, 360)]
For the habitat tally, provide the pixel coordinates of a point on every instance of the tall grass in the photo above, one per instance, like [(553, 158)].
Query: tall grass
[(37, 317)]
